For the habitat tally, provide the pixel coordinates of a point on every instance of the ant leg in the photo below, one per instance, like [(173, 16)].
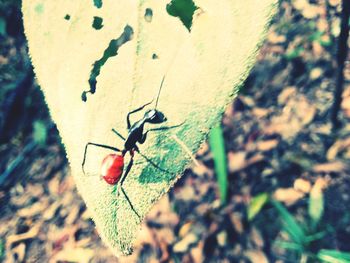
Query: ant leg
[(144, 136), (97, 145), (118, 134), (131, 206), (128, 168), (151, 162), (136, 110), (166, 128)]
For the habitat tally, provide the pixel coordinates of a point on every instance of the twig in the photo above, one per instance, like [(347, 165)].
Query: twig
[(341, 57)]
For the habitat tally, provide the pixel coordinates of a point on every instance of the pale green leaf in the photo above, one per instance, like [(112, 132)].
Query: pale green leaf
[(333, 256), (39, 132), (256, 204), (217, 146), (316, 204), (123, 63), (2, 26), (291, 226)]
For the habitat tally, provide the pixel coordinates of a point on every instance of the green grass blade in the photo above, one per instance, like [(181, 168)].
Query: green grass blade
[(39, 132), (291, 226), (289, 246), (217, 146), (256, 204), (316, 205), (2, 26), (333, 256)]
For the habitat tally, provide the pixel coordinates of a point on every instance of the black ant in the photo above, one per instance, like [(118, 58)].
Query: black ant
[(112, 169)]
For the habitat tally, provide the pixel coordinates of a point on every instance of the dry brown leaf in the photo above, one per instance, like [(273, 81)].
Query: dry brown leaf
[(337, 147), (185, 229), (302, 185), (20, 252), (346, 103), (286, 93), (35, 190), (237, 161), (322, 25), (221, 237), (324, 129), (334, 2), (297, 113), (163, 246), (166, 234), (85, 215), (308, 10), (316, 73), (184, 244), (51, 210), (256, 238), (312, 11), (3, 60), (162, 213), (331, 167), (81, 255), (83, 242), (73, 214), (256, 256), (54, 185), (197, 253), (144, 237), (260, 112), (274, 38), (266, 145), (35, 209), (321, 184), (300, 4), (236, 220), (32, 233), (317, 50), (288, 195)]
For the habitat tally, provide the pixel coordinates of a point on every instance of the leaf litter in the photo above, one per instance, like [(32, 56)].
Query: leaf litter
[(272, 130)]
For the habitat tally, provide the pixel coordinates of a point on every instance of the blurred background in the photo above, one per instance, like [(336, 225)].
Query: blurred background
[(276, 190)]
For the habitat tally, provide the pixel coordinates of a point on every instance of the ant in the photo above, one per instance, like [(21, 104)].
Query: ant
[(112, 169)]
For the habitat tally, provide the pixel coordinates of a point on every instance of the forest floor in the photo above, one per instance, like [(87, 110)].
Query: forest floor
[(280, 146)]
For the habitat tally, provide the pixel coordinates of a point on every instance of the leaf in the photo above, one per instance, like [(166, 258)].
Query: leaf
[(2, 26), (203, 70), (291, 226), (333, 256), (2, 249), (256, 204), (217, 146), (289, 245), (40, 132), (316, 201)]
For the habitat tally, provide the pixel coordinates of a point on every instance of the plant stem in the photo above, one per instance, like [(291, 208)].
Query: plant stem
[(341, 57)]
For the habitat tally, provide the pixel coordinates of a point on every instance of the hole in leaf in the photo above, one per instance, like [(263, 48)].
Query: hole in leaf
[(148, 15), (97, 23), (98, 3), (67, 17), (154, 56), (184, 10), (110, 51)]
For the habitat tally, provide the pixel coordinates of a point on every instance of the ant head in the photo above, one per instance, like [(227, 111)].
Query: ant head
[(154, 116)]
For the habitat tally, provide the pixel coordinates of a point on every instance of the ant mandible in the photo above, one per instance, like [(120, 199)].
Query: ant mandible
[(112, 169)]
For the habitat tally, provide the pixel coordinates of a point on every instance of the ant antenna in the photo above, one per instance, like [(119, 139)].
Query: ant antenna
[(160, 88)]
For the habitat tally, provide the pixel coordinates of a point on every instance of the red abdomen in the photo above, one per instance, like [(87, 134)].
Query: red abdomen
[(112, 168)]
